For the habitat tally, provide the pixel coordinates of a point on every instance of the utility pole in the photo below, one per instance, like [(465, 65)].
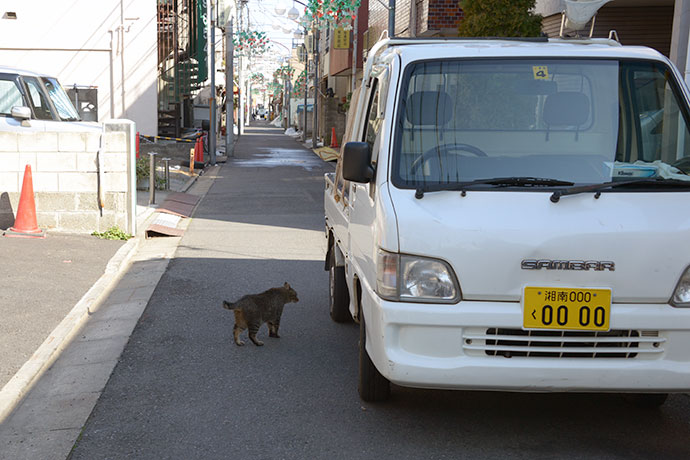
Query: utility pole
[(229, 90), (212, 125), (240, 78), (391, 18), (314, 113), (306, 85), (354, 55)]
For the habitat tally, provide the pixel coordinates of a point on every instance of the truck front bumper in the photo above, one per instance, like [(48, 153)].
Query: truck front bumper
[(481, 345)]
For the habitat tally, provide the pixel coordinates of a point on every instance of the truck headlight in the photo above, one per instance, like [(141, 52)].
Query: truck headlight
[(408, 278), (681, 296)]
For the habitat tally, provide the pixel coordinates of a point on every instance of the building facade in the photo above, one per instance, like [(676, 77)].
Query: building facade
[(659, 24), (107, 45)]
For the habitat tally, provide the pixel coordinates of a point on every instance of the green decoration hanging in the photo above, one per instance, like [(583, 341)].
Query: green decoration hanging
[(251, 43), (331, 13)]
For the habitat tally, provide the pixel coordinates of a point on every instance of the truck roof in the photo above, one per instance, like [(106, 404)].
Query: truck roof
[(414, 49), (28, 73)]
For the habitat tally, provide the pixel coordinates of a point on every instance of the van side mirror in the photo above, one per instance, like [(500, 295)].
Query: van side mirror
[(357, 162), (21, 113)]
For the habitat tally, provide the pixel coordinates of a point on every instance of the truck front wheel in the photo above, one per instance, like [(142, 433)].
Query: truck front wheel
[(373, 386), (339, 298)]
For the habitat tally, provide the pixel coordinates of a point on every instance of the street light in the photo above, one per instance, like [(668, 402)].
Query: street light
[(293, 14)]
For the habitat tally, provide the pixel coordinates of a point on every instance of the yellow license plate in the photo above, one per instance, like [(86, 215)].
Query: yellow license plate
[(566, 309)]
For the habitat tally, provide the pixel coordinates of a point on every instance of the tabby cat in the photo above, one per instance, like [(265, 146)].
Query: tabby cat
[(251, 311)]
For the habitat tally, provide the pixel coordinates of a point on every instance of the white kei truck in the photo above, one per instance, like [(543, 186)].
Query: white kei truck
[(514, 215)]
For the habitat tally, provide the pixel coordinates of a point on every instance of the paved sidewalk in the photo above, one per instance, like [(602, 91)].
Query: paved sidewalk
[(51, 287), (50, 404)]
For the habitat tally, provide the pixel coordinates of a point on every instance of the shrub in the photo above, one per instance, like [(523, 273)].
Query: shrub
[(499, 18)]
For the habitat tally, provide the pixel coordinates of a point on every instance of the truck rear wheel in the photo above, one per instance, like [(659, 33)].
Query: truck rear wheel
[(373, 386), (339, 297)]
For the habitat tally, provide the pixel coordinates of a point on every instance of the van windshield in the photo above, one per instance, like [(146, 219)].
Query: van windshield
[(580, 121)]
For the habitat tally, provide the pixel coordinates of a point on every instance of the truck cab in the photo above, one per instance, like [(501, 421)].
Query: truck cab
[(31, 101), (511, 215)]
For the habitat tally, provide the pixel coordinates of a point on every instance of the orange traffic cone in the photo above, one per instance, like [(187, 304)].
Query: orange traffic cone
[(199, 150), (334, 141), (25, 225)]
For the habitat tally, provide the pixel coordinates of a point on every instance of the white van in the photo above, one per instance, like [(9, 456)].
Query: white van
[(514, 215), (34, 102)]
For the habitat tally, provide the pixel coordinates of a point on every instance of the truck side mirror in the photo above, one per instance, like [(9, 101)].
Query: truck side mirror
[(21, 113), (357, 162)]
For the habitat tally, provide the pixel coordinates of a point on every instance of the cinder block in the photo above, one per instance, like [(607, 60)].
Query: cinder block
[(38, 142), (47, 219), (115, 182), (56, 161), (116, 201), (27, 158), (106, 221), (93, 141), (8, 142), (86, 201), (9, 182), (72, 142), (54, 201), (45, 181), (114, 161), (86, 162), (78, 222), (115, 142), (77, 182)]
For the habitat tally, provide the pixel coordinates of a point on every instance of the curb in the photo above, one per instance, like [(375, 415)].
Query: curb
[(22, 382)]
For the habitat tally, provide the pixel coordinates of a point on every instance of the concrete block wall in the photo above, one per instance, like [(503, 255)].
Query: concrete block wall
[(65, 177)]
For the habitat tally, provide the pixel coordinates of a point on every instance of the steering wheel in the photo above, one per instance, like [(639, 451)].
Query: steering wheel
[(444, 149)]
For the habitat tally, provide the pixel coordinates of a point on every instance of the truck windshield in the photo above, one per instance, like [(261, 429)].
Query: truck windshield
[(61, 101), (574, 120)]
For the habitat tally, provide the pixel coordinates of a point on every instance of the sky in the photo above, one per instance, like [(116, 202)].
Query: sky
[(262, 17)]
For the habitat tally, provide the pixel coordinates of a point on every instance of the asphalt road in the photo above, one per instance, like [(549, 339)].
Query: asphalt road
[(183, 390), (40, 282)]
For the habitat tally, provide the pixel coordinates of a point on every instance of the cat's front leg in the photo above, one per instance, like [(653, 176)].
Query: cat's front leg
[(273, 330), (252, 335)]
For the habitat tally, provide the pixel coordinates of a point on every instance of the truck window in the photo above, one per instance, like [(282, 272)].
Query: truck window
[(577, 120), (9, 96), (374, 121), (38, 99), (656, 113)]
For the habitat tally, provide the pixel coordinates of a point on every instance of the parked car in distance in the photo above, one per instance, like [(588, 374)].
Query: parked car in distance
[(30, 101)]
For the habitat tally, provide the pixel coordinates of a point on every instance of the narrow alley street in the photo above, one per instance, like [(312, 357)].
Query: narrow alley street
[(183, 389)]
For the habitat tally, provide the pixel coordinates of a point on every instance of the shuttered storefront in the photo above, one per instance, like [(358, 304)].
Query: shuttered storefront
[(647, 26)]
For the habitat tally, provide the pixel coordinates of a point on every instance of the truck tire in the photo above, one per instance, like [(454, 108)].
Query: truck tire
[(372, 385), (338, 295)]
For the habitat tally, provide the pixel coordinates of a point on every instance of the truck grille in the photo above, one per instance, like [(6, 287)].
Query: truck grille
[(510, 343)]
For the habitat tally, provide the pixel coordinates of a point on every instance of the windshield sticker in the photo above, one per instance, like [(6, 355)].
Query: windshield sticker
[(541, 72)]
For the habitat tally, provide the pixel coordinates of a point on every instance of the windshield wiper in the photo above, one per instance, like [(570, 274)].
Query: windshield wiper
[(597, 188), (517, 181)]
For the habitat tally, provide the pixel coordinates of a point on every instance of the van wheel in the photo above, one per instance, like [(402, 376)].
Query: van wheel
[(339, 297), (646, 400), (373, 386)]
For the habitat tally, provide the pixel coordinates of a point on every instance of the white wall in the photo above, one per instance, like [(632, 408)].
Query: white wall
[(71, 40)]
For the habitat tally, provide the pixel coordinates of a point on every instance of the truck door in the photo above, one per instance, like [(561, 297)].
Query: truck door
[(363, 196)]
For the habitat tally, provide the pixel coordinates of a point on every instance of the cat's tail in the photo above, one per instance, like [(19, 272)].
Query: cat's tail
[(227, 305)]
